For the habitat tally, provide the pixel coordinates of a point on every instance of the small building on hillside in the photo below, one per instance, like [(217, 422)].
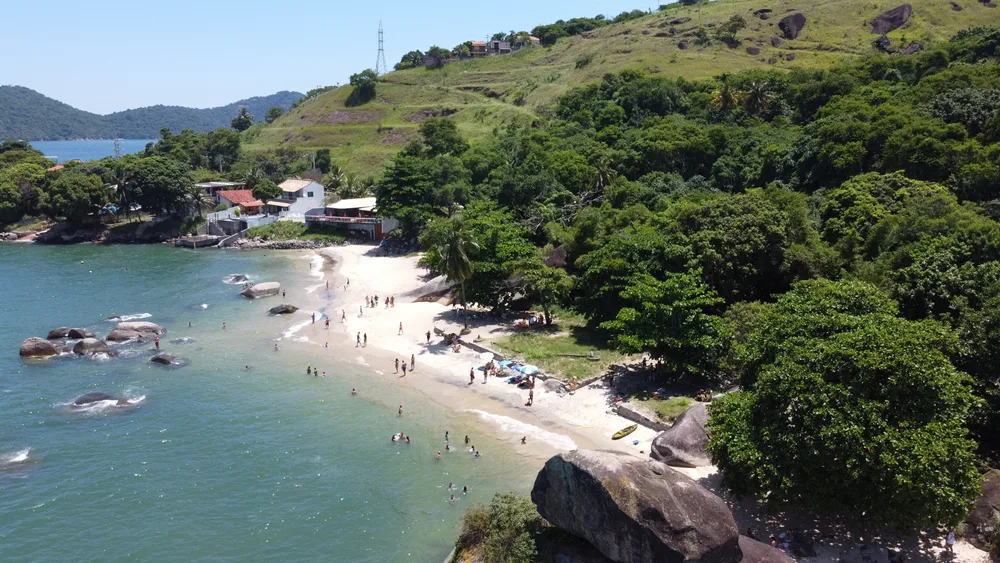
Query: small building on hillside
[(211, 189), (478, 49), (298, 196), (354, 215), (500, 47), (248, 204)]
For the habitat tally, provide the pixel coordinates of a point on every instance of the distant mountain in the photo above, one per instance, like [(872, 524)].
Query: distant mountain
[(29, 115)]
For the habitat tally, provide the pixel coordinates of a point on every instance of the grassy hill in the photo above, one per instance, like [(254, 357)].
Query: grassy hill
[(482, 94), (28, 115)]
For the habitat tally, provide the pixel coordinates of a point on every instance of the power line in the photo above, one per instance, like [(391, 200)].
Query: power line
[(380, 65)]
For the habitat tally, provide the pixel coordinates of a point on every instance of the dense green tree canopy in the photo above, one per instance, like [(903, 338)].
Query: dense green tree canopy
[(75, 197)]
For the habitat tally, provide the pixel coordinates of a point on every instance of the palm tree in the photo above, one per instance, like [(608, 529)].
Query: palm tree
[(758, 97), (726, 97), (606, 173), (121, 176), (452, 257)]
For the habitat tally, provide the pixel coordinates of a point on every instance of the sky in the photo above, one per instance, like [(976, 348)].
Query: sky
[(118, 54)]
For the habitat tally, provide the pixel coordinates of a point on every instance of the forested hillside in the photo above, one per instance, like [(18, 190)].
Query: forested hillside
[(29, 115), (694, 42)]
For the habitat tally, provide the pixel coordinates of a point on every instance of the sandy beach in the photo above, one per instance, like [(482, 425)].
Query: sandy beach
[(555, 422)]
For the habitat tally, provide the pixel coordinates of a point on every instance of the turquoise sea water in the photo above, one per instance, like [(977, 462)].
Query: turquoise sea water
[(87, 149), (217, 462)]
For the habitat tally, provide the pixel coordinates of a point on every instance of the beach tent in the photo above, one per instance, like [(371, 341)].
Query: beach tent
[(505, 363)]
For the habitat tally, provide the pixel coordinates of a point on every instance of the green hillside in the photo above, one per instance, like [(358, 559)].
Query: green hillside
[(482, 94), (28, 115)]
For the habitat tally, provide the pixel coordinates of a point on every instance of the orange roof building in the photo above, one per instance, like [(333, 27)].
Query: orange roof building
[(243, 198)]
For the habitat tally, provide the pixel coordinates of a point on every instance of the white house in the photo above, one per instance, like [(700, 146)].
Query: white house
[(298, 197), (354, 215)]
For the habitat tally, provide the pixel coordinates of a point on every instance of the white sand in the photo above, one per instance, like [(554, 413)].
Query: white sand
[(555, 422)]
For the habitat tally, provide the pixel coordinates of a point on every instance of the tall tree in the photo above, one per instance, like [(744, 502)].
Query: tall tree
[(453, 257), (243, 120), (74, 197)]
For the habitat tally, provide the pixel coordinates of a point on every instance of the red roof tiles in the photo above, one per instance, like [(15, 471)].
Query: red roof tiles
[(240, 197)]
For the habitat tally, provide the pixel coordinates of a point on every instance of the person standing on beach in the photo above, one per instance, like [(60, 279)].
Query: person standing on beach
[(472, 378), (531, 398), (328, 323), (343, 315), (397, 365), (428, 338), (328, 285), (413, 362), (361, 311), (365, 345), (404, 369), (400, 328), (400, 410), (358, 344), (445, 435), (156, 340), (314, 318), (949, 542)]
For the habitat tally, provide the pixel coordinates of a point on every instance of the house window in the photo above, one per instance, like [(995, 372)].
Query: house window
[(309, 194)]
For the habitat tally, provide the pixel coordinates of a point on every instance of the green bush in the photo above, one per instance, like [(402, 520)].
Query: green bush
[(504, 531)]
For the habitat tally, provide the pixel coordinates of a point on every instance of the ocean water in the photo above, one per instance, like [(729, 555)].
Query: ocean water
[(216, 462), (87, 149)]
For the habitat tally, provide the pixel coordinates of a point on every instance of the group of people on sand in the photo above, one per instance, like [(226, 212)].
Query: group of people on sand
[(413, 364), (372, 302)]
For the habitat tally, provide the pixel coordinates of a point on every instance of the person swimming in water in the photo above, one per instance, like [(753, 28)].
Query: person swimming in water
[(477, 454), (447, 448), (451, 486), (453, 499), (309, 370), (437, 455), (445, 435), (466, 438), (407, 439), (354, 391)]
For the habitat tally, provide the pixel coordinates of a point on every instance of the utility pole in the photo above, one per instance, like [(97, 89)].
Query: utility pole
[(380, 65)]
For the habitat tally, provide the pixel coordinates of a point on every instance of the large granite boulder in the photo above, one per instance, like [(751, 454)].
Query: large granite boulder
[(35, 347), (757, 552), (57, 333), (89, 346), (981, 524), (266, 289), (633, 510), (163, 359), (684, 444), (79, 333), (118, 335), (792, 25), (141, 326), (891, 20), (285, 309)]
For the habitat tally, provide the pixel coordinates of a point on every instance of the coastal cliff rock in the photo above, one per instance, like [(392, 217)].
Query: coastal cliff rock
[(285, 309), (260, 244), (163, 359), (981, 524), (57, 333), (118, 335), (891, 20), (141, 327), (35, 347), (792, 25), (78, 333), (757, 552), (267, 289), (89, 346), (633, 510), (684, 444)]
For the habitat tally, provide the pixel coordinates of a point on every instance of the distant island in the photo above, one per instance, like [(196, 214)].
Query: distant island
[(29, 115)]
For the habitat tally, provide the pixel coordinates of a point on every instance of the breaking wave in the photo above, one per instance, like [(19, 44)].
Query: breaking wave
[(127, 318), (518, 428)]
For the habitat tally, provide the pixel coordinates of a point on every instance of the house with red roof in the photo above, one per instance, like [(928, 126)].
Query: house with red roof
[(248, 204)]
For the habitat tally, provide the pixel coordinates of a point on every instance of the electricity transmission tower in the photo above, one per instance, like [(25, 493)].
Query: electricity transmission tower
[(380, 65)]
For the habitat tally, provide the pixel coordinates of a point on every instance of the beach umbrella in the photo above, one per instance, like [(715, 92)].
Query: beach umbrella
[(529, 370), (486, 356), (505, 363)]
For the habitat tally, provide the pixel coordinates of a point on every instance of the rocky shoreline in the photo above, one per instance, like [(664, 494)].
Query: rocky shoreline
[(260, 244)]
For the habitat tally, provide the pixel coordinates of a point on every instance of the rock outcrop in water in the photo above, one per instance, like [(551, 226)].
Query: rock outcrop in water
[(684, 444), (89, 346), (57, 333), (266, 289), (141, 326), (164, 359), (285, 309), (79, 333), (634, 510), (35, 347)]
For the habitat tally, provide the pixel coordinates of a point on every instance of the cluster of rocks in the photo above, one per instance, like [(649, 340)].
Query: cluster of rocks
[(285, 309), (259, 290), (6, 237), (641, 510), (87, 342), (260, 244), (636, 510)]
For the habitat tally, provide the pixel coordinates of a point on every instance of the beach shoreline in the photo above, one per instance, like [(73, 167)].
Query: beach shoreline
[(555, 423)]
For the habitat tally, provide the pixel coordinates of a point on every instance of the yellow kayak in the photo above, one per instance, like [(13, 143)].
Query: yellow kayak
[(624, 432)]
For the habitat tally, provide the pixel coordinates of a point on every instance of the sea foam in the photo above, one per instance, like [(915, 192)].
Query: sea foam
[(514, 426)]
